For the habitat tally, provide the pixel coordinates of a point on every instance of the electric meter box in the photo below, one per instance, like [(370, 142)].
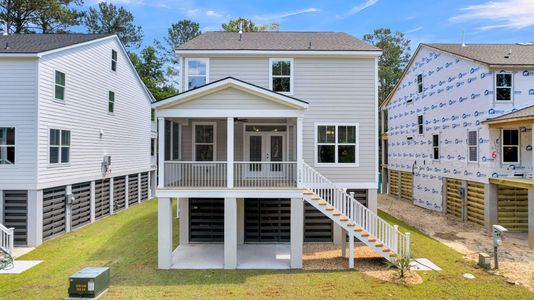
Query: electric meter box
[(88, 282)]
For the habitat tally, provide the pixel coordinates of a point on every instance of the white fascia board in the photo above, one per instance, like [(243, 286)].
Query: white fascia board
[(366, 54), (234, 113), (230, 193), (226, 83), (19, 55)]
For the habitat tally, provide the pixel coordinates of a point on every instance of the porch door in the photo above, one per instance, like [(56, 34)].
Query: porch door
[(265, 147)]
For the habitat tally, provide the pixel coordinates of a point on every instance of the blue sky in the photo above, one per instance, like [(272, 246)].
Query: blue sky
[(483, 21)]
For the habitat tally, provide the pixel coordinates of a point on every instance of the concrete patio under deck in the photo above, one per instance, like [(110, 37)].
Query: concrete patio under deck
[(249, 256)]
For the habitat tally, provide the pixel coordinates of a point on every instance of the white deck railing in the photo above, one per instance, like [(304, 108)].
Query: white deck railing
[(7, 237), (195, 174), (387, 234), (265, 174)]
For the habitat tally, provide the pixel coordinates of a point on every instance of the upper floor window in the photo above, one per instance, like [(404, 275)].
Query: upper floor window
[(7, 145), (172, 140), (111, 101), (60, 86), (336, 144), (435, 147), (152, 115), (204, 147), (113, 60), (510, 146), (472, 144), (503, 87), (196, 70), (59, 146), (420, 83), (420, 124), (281, 75)]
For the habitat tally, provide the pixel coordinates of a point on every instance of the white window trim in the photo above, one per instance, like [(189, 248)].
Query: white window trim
[(246, 141), (14, 145), (518, 147), (114, 60), (469, 146), (64, 87), (180, 125), (511, 88), (337, 164), (59, 163), (214, 124), (186, 73), (422, 124), (114, 98), (422, 83), (438, 146), (291, 74)]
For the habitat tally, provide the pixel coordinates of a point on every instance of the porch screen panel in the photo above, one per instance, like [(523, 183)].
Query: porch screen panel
[(317, 226), (133, 189), (206, 220), (119, 193), (454, 198), (81, 206), (144, 186), (54, 205), (16, 215), (102, 198), (267, 220), (513, 208), (475, 203)]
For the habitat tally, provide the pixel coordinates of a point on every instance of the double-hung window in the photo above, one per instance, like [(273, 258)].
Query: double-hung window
[(420, 124), (435, 147), (111, 101), (337, 144), (204, 142), (172, 140), (281, 75), (59, 152), (59, 93), (510, 146), (113, 60), (7, 145), (503, 87), (420, 83), (196, 70), (472, 146)]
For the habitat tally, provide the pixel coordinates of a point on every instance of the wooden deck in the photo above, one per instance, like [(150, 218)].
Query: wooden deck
[(524, 183)]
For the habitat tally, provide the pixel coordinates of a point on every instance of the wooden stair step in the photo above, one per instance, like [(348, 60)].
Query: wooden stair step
[(329, 208), (364, 234), (315, 197), (343, 218), (357, 229), (322, 202), (308, 193), (379, 245), (392, 255), (350, 224), (336, 213), (385, 250), (371, 239)]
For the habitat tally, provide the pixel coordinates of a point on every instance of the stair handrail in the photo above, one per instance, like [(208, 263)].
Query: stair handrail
[(7, 237), (385, 233)]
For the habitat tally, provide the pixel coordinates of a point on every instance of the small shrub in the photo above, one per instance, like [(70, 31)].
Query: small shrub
[(402, 263)]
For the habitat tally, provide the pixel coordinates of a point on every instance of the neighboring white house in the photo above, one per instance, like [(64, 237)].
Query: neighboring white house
[(459, 133), (272, 144), (75, 133)]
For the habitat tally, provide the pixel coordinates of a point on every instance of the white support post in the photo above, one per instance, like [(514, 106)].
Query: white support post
[(111, 201), (300, 158), (351, 248), (35, 218), (149, 185), (296, 232), (396, 239), (531, 218), (2, 207), (139, 188), (240, 221), (161, 152), (343, 243), (126, 191), (92, 201), (183, 203), (230, 152), (164, 233), (230, 233), (372, 200), (68, 210), (408, 245)]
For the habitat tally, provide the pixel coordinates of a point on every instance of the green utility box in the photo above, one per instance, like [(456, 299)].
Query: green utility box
[(89, 282)]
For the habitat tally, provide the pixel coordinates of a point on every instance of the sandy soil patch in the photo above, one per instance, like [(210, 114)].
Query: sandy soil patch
[(328, 257), (516, 258)]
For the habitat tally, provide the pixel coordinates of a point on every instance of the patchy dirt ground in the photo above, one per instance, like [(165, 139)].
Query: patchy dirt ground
[(328, 257), (516, 258)]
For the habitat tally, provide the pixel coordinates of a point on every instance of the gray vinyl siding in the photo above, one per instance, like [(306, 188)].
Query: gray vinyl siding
[(89, 78), (339, 90), (18, 108)]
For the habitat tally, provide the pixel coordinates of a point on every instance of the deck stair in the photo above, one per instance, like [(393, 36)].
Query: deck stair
[(357, 220)]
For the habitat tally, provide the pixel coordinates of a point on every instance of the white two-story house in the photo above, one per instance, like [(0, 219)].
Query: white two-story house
[(271, 144), (75, 133), (459, 133)]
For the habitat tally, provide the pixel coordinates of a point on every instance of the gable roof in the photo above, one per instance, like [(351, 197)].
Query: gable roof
[(277, 41), (37, 43), (229, 82), (524, 114), (493, 55)]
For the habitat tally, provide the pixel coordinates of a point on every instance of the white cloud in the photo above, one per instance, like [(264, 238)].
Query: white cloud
[(193, 12), (356, 9), (416, 29), (509, 14), (279, 16), (212, 13)]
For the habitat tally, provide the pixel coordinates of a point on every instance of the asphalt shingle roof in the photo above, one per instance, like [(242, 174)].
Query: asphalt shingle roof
[(277, 41), (36, 43), (527, 112), (492, 54)]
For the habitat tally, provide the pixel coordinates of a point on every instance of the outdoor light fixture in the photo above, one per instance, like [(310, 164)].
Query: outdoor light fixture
[(498, 231)]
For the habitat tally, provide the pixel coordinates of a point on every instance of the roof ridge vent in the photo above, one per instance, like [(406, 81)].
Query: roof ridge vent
[(310, 45)]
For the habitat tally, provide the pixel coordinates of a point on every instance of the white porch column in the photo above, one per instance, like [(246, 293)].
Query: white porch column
[(372, 199), (230, 233), (240, 221), (111, 202), (68, 209), (161, 151), (92, 201), (230, 152), (164, 233), (490, 206), (300, 158), (531, 218), (183, 203), (2, 207), (35, 218), (126, 191), (351, 247), (296, 232)]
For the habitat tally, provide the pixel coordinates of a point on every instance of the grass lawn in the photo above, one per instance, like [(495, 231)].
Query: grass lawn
[(127, 243)]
